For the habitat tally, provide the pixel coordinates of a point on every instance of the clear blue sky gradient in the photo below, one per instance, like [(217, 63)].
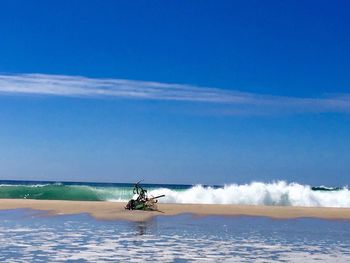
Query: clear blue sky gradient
[(275, 48)]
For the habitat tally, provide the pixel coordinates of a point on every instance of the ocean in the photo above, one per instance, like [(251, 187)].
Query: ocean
[(32, 236), (35, 236), (278, 193)]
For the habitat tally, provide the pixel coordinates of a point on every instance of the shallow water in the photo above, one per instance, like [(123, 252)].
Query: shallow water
[(27, 236)]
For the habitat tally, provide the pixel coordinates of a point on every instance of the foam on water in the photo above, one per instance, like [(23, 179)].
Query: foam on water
[(256, 193)]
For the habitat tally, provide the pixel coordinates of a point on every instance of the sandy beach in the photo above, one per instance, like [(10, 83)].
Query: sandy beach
[(115, 210)]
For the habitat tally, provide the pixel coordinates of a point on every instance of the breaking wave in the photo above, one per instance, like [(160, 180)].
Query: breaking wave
[(60, 191), (278, 193)]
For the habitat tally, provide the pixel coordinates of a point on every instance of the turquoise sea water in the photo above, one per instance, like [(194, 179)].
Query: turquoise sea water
[(254, 193), (32, 236)]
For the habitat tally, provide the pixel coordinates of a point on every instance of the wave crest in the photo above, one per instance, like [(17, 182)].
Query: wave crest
[(277, 193)]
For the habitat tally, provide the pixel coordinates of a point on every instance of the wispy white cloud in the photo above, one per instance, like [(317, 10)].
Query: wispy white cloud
[(77, 86)]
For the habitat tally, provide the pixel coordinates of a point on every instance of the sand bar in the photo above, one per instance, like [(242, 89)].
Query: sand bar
[(115, 210)]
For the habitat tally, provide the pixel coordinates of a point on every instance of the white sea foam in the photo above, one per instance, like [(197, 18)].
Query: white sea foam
[(256, 193)]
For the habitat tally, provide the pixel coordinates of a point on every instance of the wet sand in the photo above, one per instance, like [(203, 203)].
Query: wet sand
[(116, 211)]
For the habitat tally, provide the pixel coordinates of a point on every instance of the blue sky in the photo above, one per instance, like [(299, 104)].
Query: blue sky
[(175, 92)]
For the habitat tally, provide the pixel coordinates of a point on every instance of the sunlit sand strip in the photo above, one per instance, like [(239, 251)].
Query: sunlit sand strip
[(115, 210)]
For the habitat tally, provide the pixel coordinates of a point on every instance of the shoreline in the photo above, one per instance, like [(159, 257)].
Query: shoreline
[(104, 210)]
